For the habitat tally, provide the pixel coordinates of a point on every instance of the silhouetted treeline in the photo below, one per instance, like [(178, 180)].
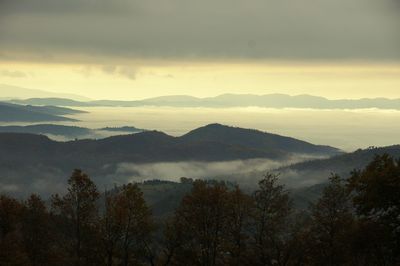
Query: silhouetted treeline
[(356, 221)]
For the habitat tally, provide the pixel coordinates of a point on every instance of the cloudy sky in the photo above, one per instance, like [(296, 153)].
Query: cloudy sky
[(141, 48)]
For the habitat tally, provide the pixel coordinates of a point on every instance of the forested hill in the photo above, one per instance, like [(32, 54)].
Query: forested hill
[(317, 171), (29, 159), (27, 113), (49, 129), (210, 143), (254, 139)]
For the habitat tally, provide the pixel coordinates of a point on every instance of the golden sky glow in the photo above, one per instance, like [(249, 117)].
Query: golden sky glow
[(203, 79), (136, 49)]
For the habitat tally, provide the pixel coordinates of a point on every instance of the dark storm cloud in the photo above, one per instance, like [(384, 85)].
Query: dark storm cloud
[(207, 29), (63, 6)]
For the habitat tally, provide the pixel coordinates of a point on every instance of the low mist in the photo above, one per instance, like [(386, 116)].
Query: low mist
[(244, 172), (46, 181)]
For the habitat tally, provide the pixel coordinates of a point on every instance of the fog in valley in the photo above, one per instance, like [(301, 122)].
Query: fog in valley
[(344, 129)]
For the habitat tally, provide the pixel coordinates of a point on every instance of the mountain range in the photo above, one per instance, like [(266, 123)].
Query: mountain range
[(213, 142), (31, 162), (69, 132), (27, 113), (14, 92), (35, 159), (230, 100), (49, 129), (342, 164), (312, 174)]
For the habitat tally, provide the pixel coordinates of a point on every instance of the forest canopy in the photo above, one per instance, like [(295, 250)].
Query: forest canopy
[(356, 221)]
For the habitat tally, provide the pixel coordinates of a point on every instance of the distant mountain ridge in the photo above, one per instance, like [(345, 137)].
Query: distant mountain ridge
[(64, 132), (29, 158), (126, 129), (35, 160), (27, 113), (14, 92), (58, 130), (231, 100), (205, 143)]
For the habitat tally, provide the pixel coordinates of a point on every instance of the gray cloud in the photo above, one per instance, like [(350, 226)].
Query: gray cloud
[(188, 29), (125, 71), (13, 74)]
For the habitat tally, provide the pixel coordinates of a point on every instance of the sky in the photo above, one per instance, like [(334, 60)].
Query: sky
[(133, 49)]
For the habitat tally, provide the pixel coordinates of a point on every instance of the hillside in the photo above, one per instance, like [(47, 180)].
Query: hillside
[(27, 158), (212, 142), (63, 132), (126, 129), (317, 171), (52, 101), (255, 139), (49, 129), (26, 113)]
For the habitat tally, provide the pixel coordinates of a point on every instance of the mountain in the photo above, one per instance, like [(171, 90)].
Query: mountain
[(26, 113), (232, 100), (62, 132), (254, 139), (52, 101), (317, 171), (125, 129), (14, 92), (53, 110), (49, 129), (29, 158)]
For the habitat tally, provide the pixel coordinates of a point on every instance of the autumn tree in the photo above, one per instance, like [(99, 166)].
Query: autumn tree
[(376, 198), (111, 228), (11, 248), (127, 227), (331, 225), (240, 208), (196, 236), (210, 227), (77, 215), (271, 216), (35, 229), (173, 242)]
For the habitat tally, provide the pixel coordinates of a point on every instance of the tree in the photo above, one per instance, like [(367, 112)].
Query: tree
[(239, 221), (271, 213), (111, 227), (173, 241), (196, 236), (78, 214), (10, 212), (376, 198), (35, 231), (331, 225), (11, 248), (127, 226)]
